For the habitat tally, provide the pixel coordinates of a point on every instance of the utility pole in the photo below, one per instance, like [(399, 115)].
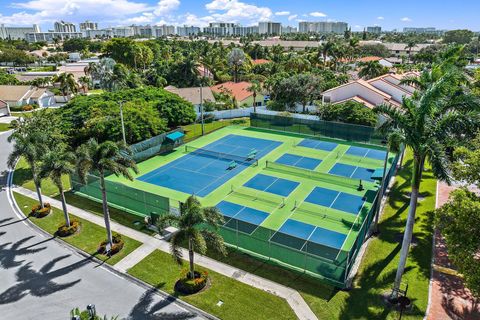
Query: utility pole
[(123, 125), (201, 100)]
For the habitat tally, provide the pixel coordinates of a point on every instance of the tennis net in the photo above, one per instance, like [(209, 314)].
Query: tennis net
[(324, 214), (257, 196), (220, 155), (315, 175)]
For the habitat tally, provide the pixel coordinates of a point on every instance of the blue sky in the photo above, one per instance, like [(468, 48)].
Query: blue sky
[(442, 14)]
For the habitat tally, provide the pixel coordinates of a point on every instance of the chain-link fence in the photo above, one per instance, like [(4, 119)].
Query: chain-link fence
[(320, 128)]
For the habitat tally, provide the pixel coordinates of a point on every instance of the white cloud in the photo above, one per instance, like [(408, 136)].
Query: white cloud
[(406, 19), (282, 13), (103, 11), (380, 18), (293, 16), (236, 11), (318, 14), (357, 27)]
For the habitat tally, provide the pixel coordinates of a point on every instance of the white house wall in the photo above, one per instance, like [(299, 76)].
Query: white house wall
[(354, 89), (396, 93)]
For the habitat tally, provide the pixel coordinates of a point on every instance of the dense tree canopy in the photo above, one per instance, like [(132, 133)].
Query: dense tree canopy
[(147, 112), (458, 36), (348, 112)]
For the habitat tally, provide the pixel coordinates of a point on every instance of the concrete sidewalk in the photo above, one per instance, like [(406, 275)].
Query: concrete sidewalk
[(294, 299)]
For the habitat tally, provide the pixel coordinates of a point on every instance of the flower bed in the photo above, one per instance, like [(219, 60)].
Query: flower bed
[(64, 231), (118, 244), (186, 285), (39, 212)]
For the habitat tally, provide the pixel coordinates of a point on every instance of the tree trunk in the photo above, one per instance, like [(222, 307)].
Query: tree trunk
[(38, 188), (254, 103), (401, 159), (106, 213), (380, 197), (304, 107), (407, 235), (64, 207), (190, 257)]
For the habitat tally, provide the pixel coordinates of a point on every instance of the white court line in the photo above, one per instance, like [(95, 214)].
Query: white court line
[(331, 204)]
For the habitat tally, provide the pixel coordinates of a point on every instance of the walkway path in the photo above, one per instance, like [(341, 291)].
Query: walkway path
[(294, 299), (449, 299)]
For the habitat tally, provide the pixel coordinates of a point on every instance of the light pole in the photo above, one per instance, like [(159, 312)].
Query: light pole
[(201, 100), (123, 125)]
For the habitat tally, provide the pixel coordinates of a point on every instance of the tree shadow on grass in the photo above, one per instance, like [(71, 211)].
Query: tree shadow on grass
[(10, 251), (145, 309), (22, 176), (39, 283)]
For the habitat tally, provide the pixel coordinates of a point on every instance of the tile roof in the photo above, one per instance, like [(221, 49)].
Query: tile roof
[(192, 94), (260, 61), (237, 90)]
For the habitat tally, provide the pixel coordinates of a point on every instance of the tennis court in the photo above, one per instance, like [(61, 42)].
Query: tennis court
[(299, 161), (366, 152), (204, 169), (240, 217), (353, 172), (336, 200), (271, 184), (318, 144)]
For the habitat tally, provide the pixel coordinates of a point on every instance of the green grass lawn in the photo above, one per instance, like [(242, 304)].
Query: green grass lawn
[(5, 127), (194, 130), (89, 237), (240, 301)]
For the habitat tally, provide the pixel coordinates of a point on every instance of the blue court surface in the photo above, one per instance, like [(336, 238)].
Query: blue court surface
[(299, 161), (336, 200), (200, 174), (366, 152), (353, 172), (317, 144), (271, 184), (306, 237), (241, 218)]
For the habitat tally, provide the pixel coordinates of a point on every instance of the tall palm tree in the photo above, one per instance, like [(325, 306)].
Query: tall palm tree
[(85, 82), (409, 46), (393, 145), (55, 164), (198, 227), (30, 145), (103, 158), (325, 50), (236, 59), (66, 82), (426, 122), (255, 87), (371, 69)]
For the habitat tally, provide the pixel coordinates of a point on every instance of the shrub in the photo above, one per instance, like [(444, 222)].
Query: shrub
[(239, 121), (27, 108), (38, 212), (118, 244), (190, 286), (64, 231)]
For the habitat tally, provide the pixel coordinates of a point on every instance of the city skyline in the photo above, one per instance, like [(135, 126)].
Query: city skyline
[(199, 13)]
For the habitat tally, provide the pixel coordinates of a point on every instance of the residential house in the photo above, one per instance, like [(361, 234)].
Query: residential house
[(239, 92), (371, 93), (192, 95), (17, 96), (4, 109), (260, 61)]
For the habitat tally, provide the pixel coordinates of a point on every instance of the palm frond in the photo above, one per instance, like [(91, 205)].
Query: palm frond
[(214, 242), (175, 246)]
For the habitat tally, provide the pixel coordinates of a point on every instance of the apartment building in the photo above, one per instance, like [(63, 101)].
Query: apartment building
[(51, 36), (63, 26), (322, 27), (270, 28), (186, 31), (88, 25), (16, 33), (374, 29)]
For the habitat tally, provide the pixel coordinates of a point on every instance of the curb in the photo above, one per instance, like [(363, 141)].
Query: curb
[(100, 263)]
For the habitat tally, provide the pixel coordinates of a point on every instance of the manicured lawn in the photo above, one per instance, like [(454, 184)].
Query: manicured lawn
[(240, 301), (89, 237), (23, 177), (377, 270), (4, 127), (193, 131), (96, 91)]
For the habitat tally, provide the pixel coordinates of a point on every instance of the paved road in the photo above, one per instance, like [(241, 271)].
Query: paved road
[(42, 279)]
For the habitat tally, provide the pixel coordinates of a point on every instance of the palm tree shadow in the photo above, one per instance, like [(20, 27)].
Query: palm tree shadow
[(10, 251), (39, 283), (145, 310)]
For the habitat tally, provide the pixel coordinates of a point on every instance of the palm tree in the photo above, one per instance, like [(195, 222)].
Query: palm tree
[(198, 226), (85, 82), (409, 46), (67, 83), (325, 49), (236, 59), (255, 87), (426, 122), (55, 164), (371, 69), (393, 145), (102, 158)]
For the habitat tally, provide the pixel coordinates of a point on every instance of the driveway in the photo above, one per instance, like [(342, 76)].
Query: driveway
[(43, 279)]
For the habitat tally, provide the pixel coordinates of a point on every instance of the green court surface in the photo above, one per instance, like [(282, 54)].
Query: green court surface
[(297, 194)]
